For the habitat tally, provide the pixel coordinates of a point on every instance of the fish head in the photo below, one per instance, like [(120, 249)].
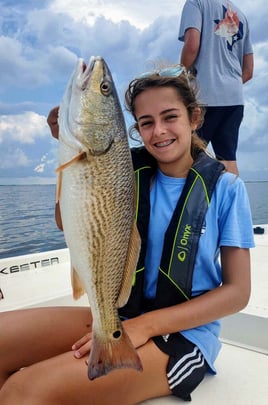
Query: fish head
[(90, 115)]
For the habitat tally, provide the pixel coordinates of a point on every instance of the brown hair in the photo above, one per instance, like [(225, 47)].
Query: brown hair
[(187, 90)]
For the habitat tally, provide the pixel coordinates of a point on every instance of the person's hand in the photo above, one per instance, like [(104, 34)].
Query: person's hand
[(52, 121), (82, 346)]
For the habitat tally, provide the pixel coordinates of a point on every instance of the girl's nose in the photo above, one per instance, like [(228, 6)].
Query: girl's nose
[(159, 128)]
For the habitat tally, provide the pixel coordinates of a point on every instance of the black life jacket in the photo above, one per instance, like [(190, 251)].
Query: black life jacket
[(175, 275)]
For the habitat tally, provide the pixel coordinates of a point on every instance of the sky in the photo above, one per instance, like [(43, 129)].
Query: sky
[(40, 41)]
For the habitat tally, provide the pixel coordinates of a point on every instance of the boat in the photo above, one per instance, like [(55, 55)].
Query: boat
[(43, 279)]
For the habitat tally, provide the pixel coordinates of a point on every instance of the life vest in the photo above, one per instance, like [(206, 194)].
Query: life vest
[(175, 274)]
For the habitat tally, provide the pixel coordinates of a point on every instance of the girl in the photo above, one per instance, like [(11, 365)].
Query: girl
[(190, 213)]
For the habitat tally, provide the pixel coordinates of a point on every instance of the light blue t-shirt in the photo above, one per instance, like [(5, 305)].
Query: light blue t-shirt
[(227, 223), (223, 45)]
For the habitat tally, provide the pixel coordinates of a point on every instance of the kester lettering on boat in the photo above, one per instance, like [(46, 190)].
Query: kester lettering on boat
[(96, 192), (33, 265)]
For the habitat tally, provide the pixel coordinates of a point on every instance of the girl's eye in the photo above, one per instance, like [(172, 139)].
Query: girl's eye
[(145, 123), (171, 117)]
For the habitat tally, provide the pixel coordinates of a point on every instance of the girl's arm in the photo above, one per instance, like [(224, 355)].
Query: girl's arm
[(229, 298), (52, 120)]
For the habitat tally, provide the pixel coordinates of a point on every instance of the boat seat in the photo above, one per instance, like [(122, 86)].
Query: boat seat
[(230, 386)]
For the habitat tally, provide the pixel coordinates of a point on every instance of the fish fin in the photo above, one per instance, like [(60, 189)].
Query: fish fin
[(76, 158), (78, 287), (131, 263), (113, 354)]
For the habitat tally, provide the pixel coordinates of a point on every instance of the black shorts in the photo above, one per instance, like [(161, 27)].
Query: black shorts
[(186, 366), (221, 129)]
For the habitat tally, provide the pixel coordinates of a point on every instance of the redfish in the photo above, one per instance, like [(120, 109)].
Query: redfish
[(97, 202)]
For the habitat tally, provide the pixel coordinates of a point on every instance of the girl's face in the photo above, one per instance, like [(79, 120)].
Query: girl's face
[(165, 129)]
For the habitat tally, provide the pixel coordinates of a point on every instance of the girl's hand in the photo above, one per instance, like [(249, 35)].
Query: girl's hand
[(82, 346), (52, 121)]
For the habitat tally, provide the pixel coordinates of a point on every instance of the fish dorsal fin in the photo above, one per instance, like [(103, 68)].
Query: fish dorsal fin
[(131, 263), (77, 285)]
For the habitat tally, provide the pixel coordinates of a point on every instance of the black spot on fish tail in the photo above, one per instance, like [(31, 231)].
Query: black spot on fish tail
[(117, 334)]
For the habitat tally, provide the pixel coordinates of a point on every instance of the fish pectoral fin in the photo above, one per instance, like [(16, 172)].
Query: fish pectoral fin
[(78, 287), (131, 263), (81, 155)]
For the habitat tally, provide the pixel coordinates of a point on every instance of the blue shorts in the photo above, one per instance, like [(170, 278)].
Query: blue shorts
[(186, 366), (221, 128)]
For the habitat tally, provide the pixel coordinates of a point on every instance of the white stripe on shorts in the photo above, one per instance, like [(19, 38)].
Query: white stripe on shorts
[(193, 360)]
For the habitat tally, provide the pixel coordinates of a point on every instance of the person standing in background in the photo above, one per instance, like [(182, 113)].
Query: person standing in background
[(218, 50)]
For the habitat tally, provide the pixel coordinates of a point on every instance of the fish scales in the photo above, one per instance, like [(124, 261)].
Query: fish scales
[(97, 202), (104, 236)]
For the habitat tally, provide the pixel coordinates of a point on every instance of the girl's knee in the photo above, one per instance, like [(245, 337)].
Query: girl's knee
[(12, 390), (20, 388)]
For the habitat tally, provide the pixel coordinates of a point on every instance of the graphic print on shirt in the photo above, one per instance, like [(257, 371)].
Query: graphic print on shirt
[(229, 27)]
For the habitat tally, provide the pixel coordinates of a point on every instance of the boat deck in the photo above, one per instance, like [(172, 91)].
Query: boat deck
[(43, 280), (241, 380)]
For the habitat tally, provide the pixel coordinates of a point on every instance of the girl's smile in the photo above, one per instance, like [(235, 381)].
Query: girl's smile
[(164, 143)]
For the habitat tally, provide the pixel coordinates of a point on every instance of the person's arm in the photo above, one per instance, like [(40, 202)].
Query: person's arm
[(229, 298), (247, 69), (190, 48), (53, 124)]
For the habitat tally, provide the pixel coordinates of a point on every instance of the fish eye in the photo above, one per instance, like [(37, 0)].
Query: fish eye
[(106, 87)]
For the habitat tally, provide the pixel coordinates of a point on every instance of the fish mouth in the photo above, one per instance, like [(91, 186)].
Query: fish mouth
[(86, 70), (92, 61)]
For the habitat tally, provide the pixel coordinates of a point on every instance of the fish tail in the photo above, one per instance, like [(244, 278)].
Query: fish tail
[(114, 354)]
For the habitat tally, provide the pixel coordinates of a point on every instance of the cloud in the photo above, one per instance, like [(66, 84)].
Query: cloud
[(23, 140), (22, 128), (40, 168), (10, 158), (253, 135), (45, 162), (136, 12), (44, 45), (20, 69)]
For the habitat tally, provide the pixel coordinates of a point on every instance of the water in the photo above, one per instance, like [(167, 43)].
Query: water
[(258, 197), (27, 223)]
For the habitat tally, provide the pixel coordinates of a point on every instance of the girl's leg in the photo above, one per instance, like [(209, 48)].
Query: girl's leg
[(63, 380), (32, 335)]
